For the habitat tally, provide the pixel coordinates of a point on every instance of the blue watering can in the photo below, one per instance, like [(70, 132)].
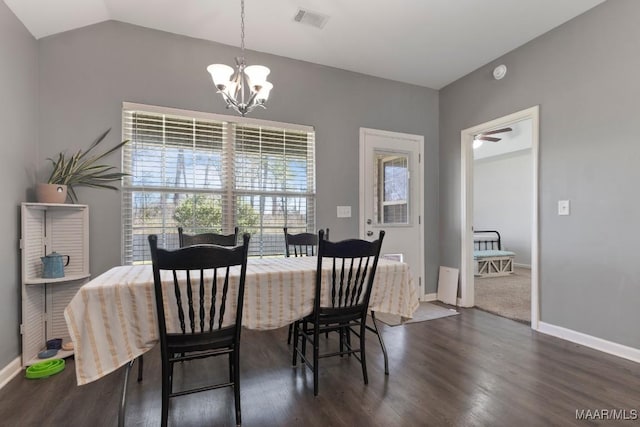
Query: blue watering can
[(53, 265)]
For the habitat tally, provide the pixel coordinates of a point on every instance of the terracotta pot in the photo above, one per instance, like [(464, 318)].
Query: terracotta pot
[(51, 193)]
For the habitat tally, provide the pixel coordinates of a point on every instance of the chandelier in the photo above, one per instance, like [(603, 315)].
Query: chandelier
[(245, 87)]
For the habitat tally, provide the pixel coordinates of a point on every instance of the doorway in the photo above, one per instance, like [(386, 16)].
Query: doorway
[(502, 221), (392, 196), (467, 297)]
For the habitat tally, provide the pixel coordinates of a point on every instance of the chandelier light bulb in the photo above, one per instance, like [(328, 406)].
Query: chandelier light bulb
[(257, 74), (263, 93), (220, 74)]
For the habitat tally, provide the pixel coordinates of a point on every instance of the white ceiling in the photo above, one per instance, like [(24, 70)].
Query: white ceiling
[(520, 138), (425, 42)]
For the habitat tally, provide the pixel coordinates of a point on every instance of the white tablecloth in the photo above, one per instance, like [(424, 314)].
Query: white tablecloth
[(112, 319)]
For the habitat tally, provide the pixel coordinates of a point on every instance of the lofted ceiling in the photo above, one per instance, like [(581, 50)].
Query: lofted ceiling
[(424, 42)]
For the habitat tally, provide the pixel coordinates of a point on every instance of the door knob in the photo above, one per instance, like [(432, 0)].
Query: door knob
[(369, 222), (369, 233)]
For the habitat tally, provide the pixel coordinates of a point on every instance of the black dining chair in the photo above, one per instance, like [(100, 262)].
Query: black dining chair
[(199, 280), (207, 238), (348, 279), (297, 245), (301, 244), (197, 239)]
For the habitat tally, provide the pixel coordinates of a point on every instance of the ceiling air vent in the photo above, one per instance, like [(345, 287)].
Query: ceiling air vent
[(313, 19)]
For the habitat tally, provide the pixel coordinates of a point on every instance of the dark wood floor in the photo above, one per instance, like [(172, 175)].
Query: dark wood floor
[(475, 369)]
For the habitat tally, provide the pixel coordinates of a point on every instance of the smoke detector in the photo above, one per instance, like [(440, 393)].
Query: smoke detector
[(499, 72), (313, 19)]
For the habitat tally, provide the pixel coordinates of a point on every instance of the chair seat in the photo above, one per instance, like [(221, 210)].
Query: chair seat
[(184, 343), (335, 316)]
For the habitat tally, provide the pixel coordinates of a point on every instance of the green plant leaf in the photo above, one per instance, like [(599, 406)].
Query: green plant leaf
[(81, 170)]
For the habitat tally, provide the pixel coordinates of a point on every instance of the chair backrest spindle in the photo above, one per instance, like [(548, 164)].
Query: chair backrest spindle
[(214, 293)]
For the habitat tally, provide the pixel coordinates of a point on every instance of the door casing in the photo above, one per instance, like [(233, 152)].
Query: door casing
[(466, 214)]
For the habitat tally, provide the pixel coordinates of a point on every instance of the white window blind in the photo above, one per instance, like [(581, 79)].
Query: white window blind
[(210, 175)]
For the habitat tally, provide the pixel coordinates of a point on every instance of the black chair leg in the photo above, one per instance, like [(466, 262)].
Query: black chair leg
[(236, 384), (290, 333), (363, 358), (304, 339), (140, 367), (316, 357), (171, 377), (294, 361), (384, 348), (165, 396)]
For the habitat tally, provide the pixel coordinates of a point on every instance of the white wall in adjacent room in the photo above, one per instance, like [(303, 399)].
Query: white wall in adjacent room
[(502, 191)]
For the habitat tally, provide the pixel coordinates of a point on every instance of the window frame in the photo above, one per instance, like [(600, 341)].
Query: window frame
[(230, 192), (379, 199)]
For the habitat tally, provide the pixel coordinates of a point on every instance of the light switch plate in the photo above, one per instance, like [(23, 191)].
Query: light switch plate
[(344, 211), (563, 207)]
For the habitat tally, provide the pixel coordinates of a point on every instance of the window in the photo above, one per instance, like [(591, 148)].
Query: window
[(209, 173), (392, 188)]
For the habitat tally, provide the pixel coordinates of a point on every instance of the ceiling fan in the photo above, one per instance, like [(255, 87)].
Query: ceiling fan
[(484, 136), (479, 139)]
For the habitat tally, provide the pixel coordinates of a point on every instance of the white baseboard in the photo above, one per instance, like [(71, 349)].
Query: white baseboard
[(430, 297), (610, 347), (11, 370)]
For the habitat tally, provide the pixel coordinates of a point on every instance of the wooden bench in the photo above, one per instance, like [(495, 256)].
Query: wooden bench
[(489, 258)]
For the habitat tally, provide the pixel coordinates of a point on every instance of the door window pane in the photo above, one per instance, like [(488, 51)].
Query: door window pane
[(392, 188)]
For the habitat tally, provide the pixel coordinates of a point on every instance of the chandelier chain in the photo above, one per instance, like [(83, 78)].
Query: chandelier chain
[(242, 26)]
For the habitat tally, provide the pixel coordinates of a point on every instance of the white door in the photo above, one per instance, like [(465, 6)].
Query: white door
[(391, 196)]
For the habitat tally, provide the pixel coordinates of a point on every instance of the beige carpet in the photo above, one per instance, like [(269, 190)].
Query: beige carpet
[(426, 311), (507, 296)]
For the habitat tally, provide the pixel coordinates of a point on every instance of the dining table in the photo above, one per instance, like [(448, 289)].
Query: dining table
[(112, 318)]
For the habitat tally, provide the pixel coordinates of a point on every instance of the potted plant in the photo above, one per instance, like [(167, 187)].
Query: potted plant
[(78, 170)]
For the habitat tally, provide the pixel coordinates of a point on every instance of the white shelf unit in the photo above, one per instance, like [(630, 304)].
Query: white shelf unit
[(45, 228)]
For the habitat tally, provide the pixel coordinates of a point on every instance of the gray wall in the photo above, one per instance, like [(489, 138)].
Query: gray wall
[(502, 200), (86, 74), (18, 121), (584, 76)]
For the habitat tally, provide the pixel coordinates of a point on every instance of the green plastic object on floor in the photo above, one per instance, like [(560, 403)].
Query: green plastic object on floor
[(44, 369)]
